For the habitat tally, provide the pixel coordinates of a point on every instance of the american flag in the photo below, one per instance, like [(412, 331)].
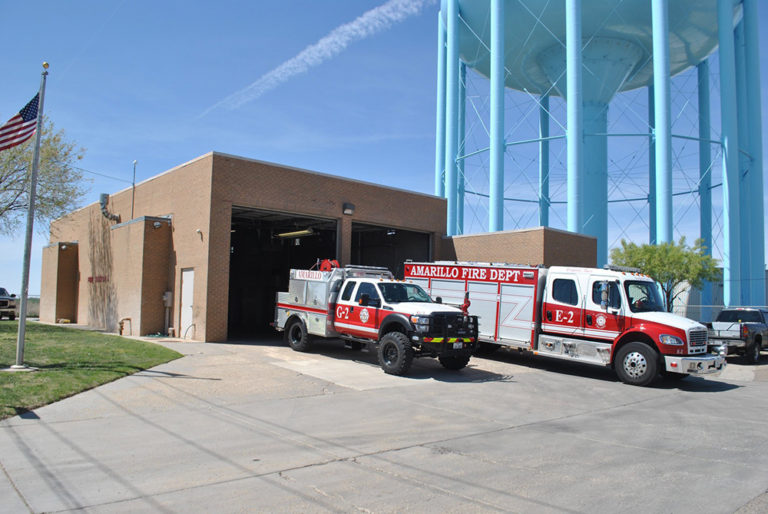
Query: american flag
[(21, 127)]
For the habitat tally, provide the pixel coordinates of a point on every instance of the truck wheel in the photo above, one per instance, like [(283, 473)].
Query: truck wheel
[(454, 362), (12, 317), (297, 338), (753, 353), (395, 353), (636, 364)]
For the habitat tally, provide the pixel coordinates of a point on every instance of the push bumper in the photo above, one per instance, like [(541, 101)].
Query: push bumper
[(707, 364)]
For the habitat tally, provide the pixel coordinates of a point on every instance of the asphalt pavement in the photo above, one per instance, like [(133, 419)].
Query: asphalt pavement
[(257, 427)]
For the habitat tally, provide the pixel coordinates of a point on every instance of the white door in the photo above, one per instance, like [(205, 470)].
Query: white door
[(186, 327)]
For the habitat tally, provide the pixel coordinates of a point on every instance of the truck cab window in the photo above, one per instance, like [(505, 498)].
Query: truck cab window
[(564, 290), (614, 298), (370, 290), (347, 294)]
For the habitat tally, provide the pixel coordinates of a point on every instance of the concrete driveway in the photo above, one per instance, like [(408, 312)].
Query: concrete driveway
[(259, 428)]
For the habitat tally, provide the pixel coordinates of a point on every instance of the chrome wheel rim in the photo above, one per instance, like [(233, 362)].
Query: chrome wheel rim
[(635, 364)]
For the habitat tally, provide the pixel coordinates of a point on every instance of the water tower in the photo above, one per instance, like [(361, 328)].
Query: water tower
[(586, 52)]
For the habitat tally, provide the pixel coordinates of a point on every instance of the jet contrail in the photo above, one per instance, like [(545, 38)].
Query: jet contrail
[(372, 22)]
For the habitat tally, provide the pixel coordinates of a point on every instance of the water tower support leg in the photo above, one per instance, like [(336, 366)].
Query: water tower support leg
[(730, 138), (544, 161), (496, 207), (757, 225), (462, 134), (745, 207), (575, 130), (440, 110), (705, 180), (452, 103), (651, 169), (662, 118)]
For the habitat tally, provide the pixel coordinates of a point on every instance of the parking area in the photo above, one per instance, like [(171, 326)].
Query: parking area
[(255, 426)]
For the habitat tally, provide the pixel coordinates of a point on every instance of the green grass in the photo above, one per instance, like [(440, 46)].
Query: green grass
[(69, 361)]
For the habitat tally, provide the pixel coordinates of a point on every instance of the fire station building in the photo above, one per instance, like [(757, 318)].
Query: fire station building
[(200, 251)]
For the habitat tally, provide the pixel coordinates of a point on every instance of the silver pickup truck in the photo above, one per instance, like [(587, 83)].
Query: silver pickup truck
[(740, 330), (7, 304)]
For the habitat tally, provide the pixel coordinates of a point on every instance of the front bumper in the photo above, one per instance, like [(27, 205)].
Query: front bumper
[(707, 364), (444, 345)]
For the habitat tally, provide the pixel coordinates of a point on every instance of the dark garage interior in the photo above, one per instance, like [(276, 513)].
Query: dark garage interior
[(266, 245)]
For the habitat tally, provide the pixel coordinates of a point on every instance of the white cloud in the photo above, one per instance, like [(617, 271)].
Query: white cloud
[(366, 25)]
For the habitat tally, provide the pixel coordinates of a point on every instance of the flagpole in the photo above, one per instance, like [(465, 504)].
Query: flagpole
[(30, 223)]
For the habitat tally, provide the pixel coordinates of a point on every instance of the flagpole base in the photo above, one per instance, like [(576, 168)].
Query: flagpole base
[(19, 368)]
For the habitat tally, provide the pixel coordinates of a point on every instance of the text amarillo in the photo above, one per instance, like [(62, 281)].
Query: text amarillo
[(468, 273)]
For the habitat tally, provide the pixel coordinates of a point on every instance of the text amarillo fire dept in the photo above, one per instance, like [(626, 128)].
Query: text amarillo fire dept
[(470, 273)]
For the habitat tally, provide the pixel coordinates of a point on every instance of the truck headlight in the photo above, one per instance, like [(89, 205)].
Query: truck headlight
[(671, 340), (421, 323)]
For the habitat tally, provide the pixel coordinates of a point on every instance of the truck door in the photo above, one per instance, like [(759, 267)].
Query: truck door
[(603, 314), (563, 304), (354, 315)]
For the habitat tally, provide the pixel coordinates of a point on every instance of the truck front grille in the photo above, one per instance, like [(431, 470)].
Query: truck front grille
[(697, 341), (449, 323), (698, 337)]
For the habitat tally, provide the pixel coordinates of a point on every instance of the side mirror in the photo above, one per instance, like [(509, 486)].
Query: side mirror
[(439, 299), (13, 296), (365, 298)]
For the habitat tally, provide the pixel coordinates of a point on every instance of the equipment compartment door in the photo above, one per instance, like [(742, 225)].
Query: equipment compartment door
[(516, 313)]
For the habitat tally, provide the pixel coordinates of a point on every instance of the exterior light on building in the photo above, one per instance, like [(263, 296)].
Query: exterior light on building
[(348, 209)]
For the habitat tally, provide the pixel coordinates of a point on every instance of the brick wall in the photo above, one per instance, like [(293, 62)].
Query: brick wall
[(535, 246)]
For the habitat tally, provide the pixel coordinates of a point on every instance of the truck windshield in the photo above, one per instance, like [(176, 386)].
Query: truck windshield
[(643, 296), (3, 292), (396, 292)]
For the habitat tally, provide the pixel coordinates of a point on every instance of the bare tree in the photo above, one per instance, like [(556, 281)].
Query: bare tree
[(59, 182)]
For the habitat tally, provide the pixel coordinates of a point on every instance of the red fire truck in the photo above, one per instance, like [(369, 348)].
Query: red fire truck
[(605, 317)]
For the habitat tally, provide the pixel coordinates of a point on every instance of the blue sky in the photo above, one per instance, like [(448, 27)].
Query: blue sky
[(131, 80)]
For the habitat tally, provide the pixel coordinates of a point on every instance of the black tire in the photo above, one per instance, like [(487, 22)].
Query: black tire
[(395, 353), (12, 317), (637, 364), (454, 362), (296, 336), (753, 352)]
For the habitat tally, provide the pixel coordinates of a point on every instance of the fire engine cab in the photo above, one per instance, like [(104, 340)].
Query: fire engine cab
[(366, 305), (606, 317)]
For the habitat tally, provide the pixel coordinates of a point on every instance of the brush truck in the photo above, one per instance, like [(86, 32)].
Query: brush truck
[(366, 305), (604, 317)]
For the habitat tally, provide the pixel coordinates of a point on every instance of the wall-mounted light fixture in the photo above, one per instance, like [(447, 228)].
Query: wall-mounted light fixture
[(391, 232), (296, 233), (348, 209)]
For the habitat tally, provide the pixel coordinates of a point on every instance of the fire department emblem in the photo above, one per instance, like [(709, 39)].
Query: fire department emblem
[(600, 322), (364, 315)]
